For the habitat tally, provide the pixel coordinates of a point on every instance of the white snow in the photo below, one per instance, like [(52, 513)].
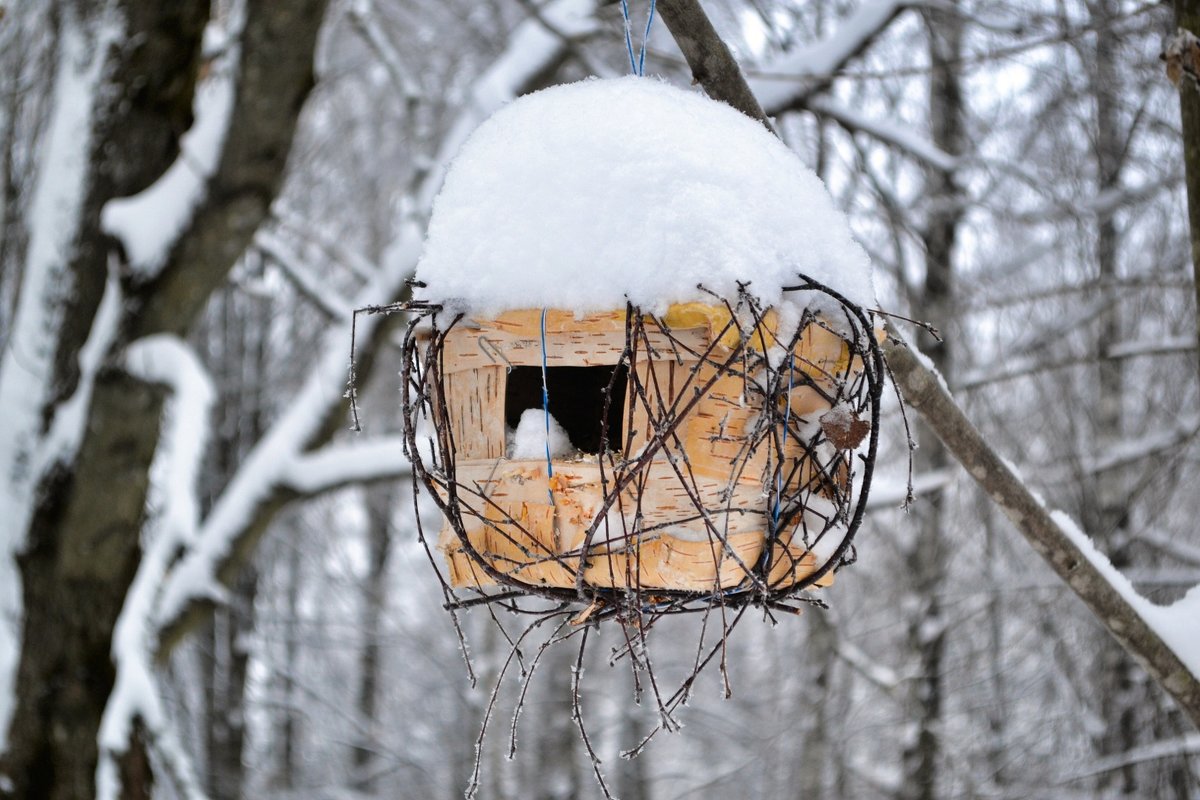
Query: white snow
[(583, 195), (271, 463), (337, 465), (821, 60), (531, 439), (173, 513), (1178, 624), (149, 223), (26, 364)]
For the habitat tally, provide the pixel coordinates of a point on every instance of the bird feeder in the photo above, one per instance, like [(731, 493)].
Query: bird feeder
[(685, 446)]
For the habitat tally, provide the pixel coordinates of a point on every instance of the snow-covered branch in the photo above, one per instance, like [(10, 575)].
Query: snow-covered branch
[(1165, 640), (821, 61), (149, 223), (363, 17), (173, 512), (274, 470), (339, 465), (1029, 365), (1187, 745), (710, 60), (892, 494), (230, 529), (307, 284), (889, 133), (1183, 551), (327, 242)]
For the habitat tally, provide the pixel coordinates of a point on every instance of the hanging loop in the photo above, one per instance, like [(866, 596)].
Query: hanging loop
[(637, 64)]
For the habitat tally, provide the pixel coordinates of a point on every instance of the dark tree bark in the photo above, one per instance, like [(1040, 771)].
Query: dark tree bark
[(927, 558), (83, 543), (381, 501), (709, 58), (1187, 17)]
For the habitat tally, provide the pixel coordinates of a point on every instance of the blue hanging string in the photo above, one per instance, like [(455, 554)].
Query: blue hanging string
[(546, 409), (637, 64), (786, 419)]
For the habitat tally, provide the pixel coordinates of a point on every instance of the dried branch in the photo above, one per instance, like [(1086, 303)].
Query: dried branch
[(923, 390), (712, 64)]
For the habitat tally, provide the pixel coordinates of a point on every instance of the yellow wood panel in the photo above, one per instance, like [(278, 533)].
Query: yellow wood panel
[(514, 339), (476, 405), (520, 530)]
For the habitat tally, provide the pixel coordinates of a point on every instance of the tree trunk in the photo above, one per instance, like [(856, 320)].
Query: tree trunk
[(288, 723), (1187, 17), (82, 544), (380, 502), (1105, 516), (926, 560)]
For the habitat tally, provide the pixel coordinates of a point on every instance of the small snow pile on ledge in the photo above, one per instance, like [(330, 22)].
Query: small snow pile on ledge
[(584, 195)]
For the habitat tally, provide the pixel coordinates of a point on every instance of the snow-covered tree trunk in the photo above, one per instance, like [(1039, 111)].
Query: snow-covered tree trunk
[(82, 411), (1187, 18)]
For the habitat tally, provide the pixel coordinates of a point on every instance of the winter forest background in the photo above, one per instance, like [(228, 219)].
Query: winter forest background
[(171, 409)]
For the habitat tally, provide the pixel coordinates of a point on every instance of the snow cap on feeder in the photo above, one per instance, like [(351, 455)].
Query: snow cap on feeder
[(644, 354), (586, 195)]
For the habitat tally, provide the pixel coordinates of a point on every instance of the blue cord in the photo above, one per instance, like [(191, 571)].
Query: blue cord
[(628, 36), (641, 70), (546, 409), (787, 417), (637, 64)]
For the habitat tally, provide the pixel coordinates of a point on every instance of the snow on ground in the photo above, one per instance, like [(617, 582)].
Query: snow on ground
[(583, 195)]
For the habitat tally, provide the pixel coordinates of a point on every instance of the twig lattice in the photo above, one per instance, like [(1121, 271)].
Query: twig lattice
[(810, 485), (775, 521)]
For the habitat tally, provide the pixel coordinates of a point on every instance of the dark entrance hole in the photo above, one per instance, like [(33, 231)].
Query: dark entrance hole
[(577, 397)]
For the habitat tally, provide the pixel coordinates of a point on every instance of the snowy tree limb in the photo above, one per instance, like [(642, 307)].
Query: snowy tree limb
[(821, 61), (1188, 553), (273, 79), (889, 133), (263, 483), (363, 17), (270, 478), (309, 230), (173, 513), (149, 223), (1021, 367), (336, 466), (1099, 588), (1048, 533), (307, 284)]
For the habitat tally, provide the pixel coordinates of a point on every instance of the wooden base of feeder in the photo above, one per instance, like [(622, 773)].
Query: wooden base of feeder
[(520, 533)]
